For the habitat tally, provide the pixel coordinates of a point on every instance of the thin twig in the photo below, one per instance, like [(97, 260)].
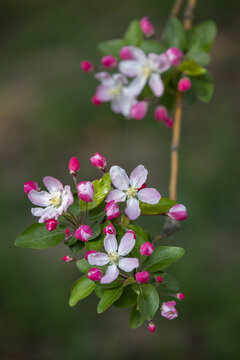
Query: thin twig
[(188, 15), (176, 8)]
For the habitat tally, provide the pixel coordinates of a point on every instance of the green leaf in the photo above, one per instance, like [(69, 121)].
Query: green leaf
[(161, 207), (190, 67), (101, 189), (71, 241), (201, 57), (111, 47), (148, 301), (128, 298), (99, 291), (114, 284), (203, 87), (152, 46), (135, 319), (76, 247), (201, 36), (108, 298), (98, 213), (81, 289), (162, 257), (174, 35), (96, 230), (37, 236), (83, 265), (190, 96), (96, 244), (134, 35), (170, 282), (141, 237)]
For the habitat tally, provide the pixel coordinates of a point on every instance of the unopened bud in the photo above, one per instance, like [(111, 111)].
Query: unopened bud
[(29, 186), (85, 191), (142, 277), (96, 101), (159, 279), (51, 224), (180, 296), (95, 274), (109, 61), (139, 110), (112, 210), (174, 55), (146, 248), (74, 166), (151, 327), (178, 212), (68, 258), (87, 66), (99, 161), (184, 84), (161, 113), (147, 27), (109, 230), (83, 233)]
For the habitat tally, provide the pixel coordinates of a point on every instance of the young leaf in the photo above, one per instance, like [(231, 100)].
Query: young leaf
[(128, 298), (174, 35), (201, 36), (203, 87), (148, 301), (81, 289), (162, 257), (152, 46), (76, 247), (201, 57), (37, 236), (111, 47), (161, 207), (96, 230), (108, 298), (83, 265), (170, 282), (134, 35), (135, 319), (190, 67)]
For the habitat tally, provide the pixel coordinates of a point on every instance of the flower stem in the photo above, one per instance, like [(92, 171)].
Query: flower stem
[(176, 8)]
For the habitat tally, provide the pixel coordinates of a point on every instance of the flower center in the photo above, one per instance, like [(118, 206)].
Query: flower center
[(56, 201), (131, 192), (146, 71), (115, 91), (113, 256)]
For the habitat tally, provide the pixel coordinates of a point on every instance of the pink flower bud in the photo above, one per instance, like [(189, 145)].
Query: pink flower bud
[(180, 296), (142, 277), (89, 252), (159, 279), (95, 274), (109, 61), (85, 191), (67, 232), (99, 161), (68, 258), (151, 327), (132, 232), (139, 110), (174, 55), (29, 186), (110, 229), (112, 210), (184, 84), (96, 101), (169, 122), (83, 233), (178, 212), (142, 187), (146, 248), (73, 166), (51, 224), (126, 53), (87, 66), (161, 113), (147, 27), (168, 310)]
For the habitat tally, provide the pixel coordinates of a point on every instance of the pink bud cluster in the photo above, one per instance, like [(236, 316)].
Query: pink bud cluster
[(161, 115), (142, 277)]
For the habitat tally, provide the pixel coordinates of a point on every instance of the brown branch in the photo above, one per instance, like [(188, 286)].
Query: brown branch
[(188, 15), (176, 8)]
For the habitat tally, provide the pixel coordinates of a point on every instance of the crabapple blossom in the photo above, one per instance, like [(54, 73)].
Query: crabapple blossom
[(95, 274), (139, 110), (109, 61), (125, 53), (184, 84), (51, 224), (127, 189), (54, 202), (115, 257), (159, 279), (112, 210), (161, 113), (175, 55), (89, 252), (99, 161), (110, 229), (142, 277), (68, 258), (83, 233), (87, 66), (146, 248), (168, 310), (145, 69), (180, 296), (74, 166), (178, 212), (151, 327), (146, 26), (29, 186), (96, 101), (85, 191)]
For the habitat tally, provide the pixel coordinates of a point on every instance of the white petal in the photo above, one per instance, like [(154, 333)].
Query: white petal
[(116, 195), (116, 106), (44, 214), (126, 244), (159, 63), (103, 93), (133, 210), (128, 264), (40, 198), (120, 79), (156, 84), (110, 243), (119, 178), (126, 103), (138, 176), (67, 197), (137, 85), (138, 54), (99, 259), (110, 275), (53, 185), (129, 67), (149, 196), (104, 77)]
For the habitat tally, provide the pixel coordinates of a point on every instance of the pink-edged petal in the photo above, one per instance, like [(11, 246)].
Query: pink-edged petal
[(126, 244), (133, 210), (104, 77), (110, 243), (138, 54), (119, 178), (99, 259), (53, 185), (44, 214), (116, 195), (129, 67), (128, 264), (120, 79), (156, 84), (110, 275), (67, 197), (136, 86), (103, 93), (149, 196), (138, 176), (40, 198)]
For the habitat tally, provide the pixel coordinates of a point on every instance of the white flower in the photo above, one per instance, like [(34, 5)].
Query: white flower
[(145, 69), (112, 89), (114, 257), (129, 189), (54, 202)]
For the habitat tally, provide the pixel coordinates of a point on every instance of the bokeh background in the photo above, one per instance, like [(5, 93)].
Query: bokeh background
[(47, 117)]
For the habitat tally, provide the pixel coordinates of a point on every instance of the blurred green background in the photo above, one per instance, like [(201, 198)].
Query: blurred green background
[(47, 117)]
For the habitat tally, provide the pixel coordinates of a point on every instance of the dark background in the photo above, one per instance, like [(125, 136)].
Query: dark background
[(47, 117)]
